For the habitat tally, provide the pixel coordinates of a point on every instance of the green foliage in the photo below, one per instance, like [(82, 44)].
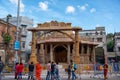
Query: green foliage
[(110, 42), (110, 36), (6, 38), (110, 46)]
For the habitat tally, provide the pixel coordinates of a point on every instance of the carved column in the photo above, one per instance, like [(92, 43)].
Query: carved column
[(93, 52), (88, 54), (42, 53), (88, 50), (51, 52), (46, 55), (82, 49), (33, 57), (76, 55), (68, 54)]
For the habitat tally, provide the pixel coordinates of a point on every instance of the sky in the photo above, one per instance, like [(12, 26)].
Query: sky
[(86, 14)]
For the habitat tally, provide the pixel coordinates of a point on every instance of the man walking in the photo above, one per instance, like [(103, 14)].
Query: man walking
[(1, 68), (73, 68), (48, 70), (31, 71), (52, 71)]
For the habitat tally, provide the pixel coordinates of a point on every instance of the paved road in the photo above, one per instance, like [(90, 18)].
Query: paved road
[(66, 79), (11, 77)]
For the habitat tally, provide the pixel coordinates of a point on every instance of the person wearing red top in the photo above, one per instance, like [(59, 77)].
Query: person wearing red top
[(16, 70), (20, 69), (105, 71), (38, 71)]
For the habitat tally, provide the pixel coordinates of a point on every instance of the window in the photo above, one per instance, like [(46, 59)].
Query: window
[(101, 33), (99, 39), (96, 33), (119, 49), (86, 34), (23, 44)]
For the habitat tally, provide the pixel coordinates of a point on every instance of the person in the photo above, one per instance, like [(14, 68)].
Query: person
[(1, 68), (105, 71), (38, 71), (73, 70), (31, 71), (48, 67), (20, 70), (57, 71), (69, 71), (52, 71), (16, 70)]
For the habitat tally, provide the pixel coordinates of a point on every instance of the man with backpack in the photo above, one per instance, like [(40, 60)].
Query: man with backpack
[(73, 69), (1, 68)]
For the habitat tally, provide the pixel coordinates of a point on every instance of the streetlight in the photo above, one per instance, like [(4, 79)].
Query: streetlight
[(17, 43)]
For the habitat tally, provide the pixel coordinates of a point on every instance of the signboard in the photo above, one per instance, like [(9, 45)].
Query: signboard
[(16, 45)]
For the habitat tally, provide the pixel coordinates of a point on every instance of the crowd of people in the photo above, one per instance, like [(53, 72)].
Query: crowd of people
[(31, 68), (52, 71), (51, 67)]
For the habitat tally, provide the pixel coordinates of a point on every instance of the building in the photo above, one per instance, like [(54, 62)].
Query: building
[(97, 35), (60, 42), (117, 44), (7, 51), (24, 24)]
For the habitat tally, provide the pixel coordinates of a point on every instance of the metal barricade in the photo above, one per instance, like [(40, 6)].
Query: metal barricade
[(98, 71)]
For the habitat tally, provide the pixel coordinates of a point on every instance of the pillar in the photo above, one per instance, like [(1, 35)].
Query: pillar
[(42, 53), (82, 49), (68, 54), (93, 52), (46, 58), (51, 52), (33, 57), (88, 50), (76, 55)]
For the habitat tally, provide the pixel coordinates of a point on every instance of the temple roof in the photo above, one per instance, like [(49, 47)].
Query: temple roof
[(54, 40), (54, 25), (58, 35), (65, 40)]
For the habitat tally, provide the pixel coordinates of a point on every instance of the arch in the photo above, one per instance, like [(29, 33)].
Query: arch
[(59, 32), (60, 54), (60, 45)]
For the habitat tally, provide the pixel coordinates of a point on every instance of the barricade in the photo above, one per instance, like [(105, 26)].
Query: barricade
[(115, 68), (87, 69), (98, 71)]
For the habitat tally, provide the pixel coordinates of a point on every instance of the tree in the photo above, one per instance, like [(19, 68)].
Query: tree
[(110, 36), (110, 42), (6, 38), (110, 46)]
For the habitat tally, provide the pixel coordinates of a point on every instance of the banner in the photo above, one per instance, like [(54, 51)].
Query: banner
[(16, 45)]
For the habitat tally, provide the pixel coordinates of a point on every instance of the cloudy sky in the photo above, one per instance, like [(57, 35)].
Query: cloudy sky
[(84, 13)]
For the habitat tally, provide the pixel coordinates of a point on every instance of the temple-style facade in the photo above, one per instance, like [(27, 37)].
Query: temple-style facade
[(60, 42)]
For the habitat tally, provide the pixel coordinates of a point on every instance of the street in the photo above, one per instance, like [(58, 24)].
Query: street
[(82, 77)]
